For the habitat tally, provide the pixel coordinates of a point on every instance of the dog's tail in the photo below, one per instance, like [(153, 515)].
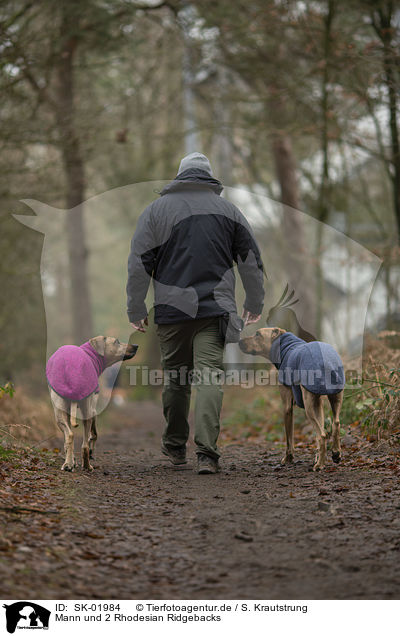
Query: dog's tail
[(74, 408)]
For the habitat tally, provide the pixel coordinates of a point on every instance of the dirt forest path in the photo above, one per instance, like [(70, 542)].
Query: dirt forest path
[(139, 528)]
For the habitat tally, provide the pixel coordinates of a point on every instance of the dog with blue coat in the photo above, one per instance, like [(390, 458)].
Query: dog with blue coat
[(307, 371)]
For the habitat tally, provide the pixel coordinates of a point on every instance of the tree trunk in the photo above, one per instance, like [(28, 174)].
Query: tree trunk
[(394, 130), (297, 258), (222, 145), (82, 327), (191, 134), (384, 26), (323, 204)]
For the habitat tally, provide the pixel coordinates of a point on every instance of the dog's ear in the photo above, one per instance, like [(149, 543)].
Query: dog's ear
[(99, 344), (276, 332)]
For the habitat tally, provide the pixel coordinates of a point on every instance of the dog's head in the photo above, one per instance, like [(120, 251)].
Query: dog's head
[(112, 349), (260, 343)]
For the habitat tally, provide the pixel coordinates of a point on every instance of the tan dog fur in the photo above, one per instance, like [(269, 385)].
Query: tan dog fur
[(65, 411), (260, 344)]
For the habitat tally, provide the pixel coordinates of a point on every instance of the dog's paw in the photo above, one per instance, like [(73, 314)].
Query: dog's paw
[(88, 467), (287, 459), (336, 457), (68, 467), (318, 467)]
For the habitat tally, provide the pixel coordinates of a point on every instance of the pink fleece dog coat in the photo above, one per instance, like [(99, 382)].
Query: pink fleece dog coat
[(73, 372)]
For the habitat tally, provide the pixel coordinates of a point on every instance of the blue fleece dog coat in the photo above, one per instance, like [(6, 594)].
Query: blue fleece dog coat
[(314, 365)]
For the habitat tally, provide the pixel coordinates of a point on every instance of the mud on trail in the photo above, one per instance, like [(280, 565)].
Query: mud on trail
[(140, 528)]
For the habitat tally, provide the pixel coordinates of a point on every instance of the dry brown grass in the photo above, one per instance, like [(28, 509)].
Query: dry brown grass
[(382, 383), (24, 420)]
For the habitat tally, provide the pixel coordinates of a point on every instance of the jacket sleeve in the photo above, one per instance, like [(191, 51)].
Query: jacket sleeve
[(141, 264), (251, 270)]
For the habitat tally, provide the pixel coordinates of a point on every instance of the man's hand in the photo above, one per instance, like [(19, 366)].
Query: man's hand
[(249, 318), (139, 325)]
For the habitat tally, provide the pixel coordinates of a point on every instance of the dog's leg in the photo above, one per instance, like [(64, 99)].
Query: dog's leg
[(62, 418), (91, 405), (87, 412), (93, 437), (288, 402), (336, 404), (87, 426), (315, 414)]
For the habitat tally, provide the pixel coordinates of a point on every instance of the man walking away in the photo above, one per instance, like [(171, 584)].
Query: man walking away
[(188, 241)]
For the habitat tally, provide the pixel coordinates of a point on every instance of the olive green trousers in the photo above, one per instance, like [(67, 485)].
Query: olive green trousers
[(191, 355)]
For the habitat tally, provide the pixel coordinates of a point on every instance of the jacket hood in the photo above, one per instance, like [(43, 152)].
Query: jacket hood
[(193, 179)]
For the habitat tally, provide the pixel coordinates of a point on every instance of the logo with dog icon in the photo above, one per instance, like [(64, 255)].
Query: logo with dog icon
[(26, 615)]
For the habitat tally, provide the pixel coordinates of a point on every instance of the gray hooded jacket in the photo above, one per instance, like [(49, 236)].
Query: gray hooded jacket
[(187, 242)]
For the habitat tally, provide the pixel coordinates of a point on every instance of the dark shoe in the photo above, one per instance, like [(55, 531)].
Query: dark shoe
[(206, 465), (175, 455)]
